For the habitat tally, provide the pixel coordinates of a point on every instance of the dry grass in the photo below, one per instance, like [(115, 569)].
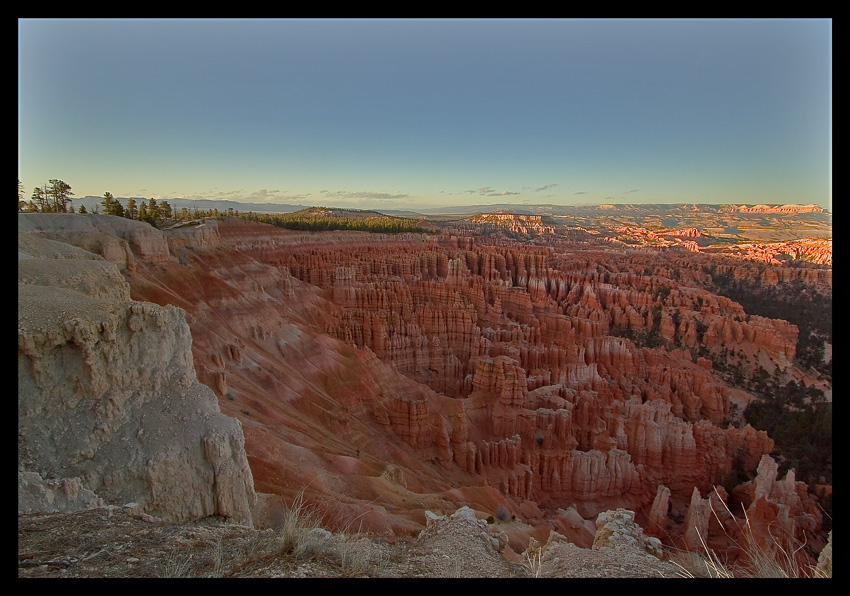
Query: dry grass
[(301, 533), (303, 536), (299, 541), (776, 558), (534, 558), (177, 565)]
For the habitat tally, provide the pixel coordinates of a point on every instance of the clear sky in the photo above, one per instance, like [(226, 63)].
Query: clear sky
[(414, 113)]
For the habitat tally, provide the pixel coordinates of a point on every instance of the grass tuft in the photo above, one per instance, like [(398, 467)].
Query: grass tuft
[(776, 558), (301, 533)]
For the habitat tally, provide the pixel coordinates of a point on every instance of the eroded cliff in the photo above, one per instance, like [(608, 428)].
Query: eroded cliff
[(109, 408)]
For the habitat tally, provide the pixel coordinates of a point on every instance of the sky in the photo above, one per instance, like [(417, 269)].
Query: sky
[(423, 113)]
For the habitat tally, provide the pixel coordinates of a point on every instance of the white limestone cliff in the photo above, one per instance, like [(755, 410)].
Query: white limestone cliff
[(109, 408)]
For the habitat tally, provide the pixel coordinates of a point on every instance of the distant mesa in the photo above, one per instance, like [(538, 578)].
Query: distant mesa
[(773, 209), (688, 233), (513, 222)]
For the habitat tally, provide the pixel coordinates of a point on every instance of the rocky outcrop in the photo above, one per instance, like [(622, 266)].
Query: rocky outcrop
[(778, 514), (513, 222), (688, 233), (617, 530), (824, 565), (809, 250), (657, 517), (109, 408), (780, 510), (118, 240)]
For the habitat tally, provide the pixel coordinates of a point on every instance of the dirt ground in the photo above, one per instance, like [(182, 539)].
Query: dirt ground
[(115, 542)]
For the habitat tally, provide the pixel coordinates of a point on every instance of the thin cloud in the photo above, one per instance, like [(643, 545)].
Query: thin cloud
[(581, 192), (363, 195), (630, 191), (226, 195), (545, 187), (490, 192), (263, 195)]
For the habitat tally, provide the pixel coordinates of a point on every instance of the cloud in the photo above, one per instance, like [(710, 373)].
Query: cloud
[(581, 192), (363, 195), (261, 195), (489, 192), (221, 195), (545, 187), (630, 190)]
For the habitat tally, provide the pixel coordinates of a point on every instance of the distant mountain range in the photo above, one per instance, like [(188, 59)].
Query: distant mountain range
[(203, 204), (552, 210)]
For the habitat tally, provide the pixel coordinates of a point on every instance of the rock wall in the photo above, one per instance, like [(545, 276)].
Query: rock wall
[(109, 408)]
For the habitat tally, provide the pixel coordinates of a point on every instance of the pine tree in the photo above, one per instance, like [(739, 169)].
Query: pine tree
[(153, 211), (111, 205), (108, 202), (131, 211), (60, 193), (39, 199)]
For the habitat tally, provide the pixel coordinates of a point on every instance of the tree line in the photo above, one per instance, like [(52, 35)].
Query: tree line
[(319, 221), (55, 198)]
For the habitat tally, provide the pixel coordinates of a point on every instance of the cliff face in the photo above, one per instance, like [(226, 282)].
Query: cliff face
[(386, 375), (109, 408)]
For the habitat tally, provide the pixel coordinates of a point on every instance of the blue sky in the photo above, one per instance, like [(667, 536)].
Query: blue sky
[(420, 113)]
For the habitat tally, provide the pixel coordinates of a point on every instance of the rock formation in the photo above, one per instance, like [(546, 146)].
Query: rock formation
[(513, 222), (617, 529), (824, 565), (109, 409), (780, 510), (688, 233), (775, 208)]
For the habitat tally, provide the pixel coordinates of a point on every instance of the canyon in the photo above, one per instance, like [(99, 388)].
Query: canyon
[(500, 363)]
